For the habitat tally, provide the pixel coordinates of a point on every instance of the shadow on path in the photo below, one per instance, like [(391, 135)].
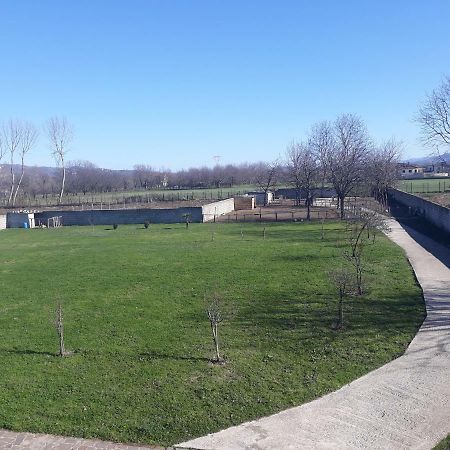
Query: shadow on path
[(431, 238)]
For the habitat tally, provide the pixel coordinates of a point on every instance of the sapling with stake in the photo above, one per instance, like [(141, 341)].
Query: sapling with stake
[(59, 324), (215, 318)]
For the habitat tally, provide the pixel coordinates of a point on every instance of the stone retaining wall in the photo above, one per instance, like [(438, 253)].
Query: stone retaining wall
[(121, 216), (216, 209), (197, 214), (438, 215)]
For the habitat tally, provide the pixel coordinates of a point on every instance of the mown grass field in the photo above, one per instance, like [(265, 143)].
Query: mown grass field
[(134, 307), (425, 185), (137, 196)]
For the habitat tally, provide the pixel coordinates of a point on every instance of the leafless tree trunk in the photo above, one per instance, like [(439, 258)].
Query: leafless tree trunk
[(29, 137), (59, 323), (12, 137), (356, 261), (60, 134), (187, 218), (343, 280), (434, 115), (2, 147), (215, 317), (359, 234)]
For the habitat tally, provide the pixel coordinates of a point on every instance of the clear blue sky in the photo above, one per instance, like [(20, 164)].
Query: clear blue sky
[(173, 83)]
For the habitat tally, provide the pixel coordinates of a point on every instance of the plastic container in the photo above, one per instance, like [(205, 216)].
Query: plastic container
[(25, 224)]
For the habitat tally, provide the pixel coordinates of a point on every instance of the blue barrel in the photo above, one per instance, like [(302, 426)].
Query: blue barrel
[(25, 224)]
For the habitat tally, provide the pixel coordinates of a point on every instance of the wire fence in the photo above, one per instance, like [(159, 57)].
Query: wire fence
[(108, 201), (425, 186)]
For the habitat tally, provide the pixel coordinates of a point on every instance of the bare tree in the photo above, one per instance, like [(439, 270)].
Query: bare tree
[(2, 147), (12, 137), (359, 232), (343, 148), (187, 217), (342, 279), (28, 139), (215, 318), (381, 169), (434, 115), (303, 171), (369, 222), (267, 176), (60, 134), (59, 324), (355, 258)]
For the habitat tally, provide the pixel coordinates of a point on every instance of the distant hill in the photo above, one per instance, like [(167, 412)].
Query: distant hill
[(430, 159)]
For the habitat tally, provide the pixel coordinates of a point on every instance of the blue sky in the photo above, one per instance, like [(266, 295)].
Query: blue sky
[(173, 83)]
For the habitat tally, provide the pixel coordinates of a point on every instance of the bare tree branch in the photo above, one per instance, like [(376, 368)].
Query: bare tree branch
[(303, 171), (60, 134), (267, 177), (343, 148), (12, 136), (434, 115), (29, 138)]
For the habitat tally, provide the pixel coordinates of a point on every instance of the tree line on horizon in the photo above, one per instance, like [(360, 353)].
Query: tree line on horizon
[(340, 153)]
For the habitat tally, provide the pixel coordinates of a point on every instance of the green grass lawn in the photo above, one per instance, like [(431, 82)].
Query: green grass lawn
[(134, 312), (444, 444), (425, 185), (141, 195)]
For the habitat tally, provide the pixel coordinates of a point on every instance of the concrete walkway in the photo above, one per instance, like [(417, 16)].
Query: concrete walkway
[(402, 405)]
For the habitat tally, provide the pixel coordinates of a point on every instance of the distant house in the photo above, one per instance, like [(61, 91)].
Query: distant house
[(439, 169), (406, 170)]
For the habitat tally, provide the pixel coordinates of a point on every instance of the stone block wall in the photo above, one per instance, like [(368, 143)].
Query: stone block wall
[(197, 214), (216, 209), (121, 216), (436, 214)]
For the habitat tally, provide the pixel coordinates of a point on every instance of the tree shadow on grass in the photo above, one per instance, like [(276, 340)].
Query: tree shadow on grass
[(157, 355), (29, 352), (364, 316)]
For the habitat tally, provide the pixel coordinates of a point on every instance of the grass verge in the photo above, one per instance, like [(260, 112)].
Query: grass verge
[(134, 308)]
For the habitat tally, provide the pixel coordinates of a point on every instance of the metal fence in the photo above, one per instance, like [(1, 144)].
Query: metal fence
[(433, 186)]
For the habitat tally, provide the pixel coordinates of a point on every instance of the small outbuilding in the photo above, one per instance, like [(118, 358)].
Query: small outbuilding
[(262, 198)]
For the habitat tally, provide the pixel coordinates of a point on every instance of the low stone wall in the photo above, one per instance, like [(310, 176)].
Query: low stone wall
[(121, 216), (436, 214), (216, 209), (197, 214), (2, 221)]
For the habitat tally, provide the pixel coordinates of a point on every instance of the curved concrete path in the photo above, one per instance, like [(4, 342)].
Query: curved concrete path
[(403, 405)]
